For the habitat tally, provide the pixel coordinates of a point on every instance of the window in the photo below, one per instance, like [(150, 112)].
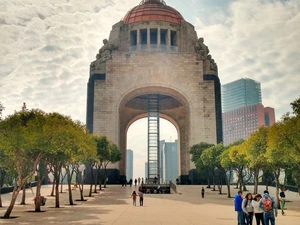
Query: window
[(153, 36), (133, 38), (173, 38), (143, 36)]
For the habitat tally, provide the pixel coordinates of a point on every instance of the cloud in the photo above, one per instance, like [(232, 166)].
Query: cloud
[(259, 40)]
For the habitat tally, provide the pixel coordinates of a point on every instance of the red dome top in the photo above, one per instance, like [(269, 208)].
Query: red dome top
[(153, 10)]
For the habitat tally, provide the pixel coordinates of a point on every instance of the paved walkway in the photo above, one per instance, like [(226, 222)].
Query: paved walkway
[(114, 207)]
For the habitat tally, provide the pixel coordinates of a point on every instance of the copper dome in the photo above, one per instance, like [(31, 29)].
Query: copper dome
[(153, 10)]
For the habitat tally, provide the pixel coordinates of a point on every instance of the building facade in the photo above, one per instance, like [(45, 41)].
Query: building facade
[(129, 164), (243, 112), (170, 162), (153, 50), (240, 93)]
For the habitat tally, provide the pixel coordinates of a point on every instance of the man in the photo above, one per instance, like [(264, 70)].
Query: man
[(202, 192), (238, 199), (141, 195), (269, 206)]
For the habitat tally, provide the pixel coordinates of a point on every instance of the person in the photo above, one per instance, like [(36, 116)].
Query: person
[(142, 181), (258, 212), (130, 182), (238, 199), (177, 181), (30, 186), (269, 207), (202, 192), (139, 181), (282, 200), (141, 195), (133, 196), (248, 208), (135, 181)]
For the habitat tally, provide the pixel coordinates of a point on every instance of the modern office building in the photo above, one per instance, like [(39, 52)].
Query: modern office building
[(243, 112), (170, 161), (129, 164), (240, 93)]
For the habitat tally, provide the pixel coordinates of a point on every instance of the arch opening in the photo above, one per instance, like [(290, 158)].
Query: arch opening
[(137, 143)]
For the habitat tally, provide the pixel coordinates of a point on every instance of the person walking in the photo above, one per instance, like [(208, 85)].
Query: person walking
[(282, 200), (202, 192), (139, 181), (135, 181), (141, 195), (238, 199), (267, 203), (248, 208), (258, 212), (133, 196)]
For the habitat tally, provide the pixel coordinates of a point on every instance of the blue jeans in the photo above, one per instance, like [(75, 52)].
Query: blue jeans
[(240, 218), (249, 218), (269, 216)]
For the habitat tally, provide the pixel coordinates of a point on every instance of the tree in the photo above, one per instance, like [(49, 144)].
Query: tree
[(23, 143), (114, 156), (228, 166), (196, 151), (255, 148), (211, 159), (1, 110)]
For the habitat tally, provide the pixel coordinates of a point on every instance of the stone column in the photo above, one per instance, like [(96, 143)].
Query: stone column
[(158, 39), (148, 38), (168, 40), (138, 40)]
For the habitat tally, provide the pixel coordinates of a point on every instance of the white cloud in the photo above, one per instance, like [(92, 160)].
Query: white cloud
[(46, 48)]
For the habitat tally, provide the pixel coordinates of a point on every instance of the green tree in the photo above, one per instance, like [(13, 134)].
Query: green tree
[(228, 167), (255, 148), (102, 155), (196, 151), (114, 156), (23, 143)]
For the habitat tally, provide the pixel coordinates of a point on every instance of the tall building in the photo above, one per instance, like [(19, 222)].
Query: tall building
[(243, 112), (129, 164), (170, 161), (240, 93)]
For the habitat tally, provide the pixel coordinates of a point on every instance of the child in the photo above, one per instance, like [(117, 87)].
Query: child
[(133, 196)]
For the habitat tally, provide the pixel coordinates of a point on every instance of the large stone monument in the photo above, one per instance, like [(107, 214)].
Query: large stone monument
[(153, 50)]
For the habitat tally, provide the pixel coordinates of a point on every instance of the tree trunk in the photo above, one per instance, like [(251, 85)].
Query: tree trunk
[(105, 177), (276, 174), (12, 202), (0, 197), (69, 178), (53, 185), (208, 180), (38, 196), (81, 191), (256, 173), (214, 182), (96, 181), (57, 189), (23, 195), (92, 180)]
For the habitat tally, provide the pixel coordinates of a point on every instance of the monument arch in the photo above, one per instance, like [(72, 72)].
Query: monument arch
[(154, 51)]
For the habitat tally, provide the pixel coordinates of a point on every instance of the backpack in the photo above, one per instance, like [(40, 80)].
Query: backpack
[(267, 204)]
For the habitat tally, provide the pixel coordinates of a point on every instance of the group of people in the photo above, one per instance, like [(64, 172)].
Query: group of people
[(263, 208), (134, 196)]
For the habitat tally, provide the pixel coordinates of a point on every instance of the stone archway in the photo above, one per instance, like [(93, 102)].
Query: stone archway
[(174, 108)]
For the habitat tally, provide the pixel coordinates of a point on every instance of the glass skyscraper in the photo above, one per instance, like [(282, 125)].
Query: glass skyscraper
[(129, 164), (240, 93)]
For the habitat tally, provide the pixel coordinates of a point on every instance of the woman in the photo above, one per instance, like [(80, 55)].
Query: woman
[(133, 196), (258, 212), (248, 208)]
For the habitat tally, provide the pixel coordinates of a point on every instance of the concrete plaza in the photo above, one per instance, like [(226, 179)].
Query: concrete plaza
[(113, 206)]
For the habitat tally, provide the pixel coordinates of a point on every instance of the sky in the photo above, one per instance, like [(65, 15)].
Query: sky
[(46, 48)]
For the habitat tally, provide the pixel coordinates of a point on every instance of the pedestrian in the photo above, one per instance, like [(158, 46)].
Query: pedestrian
[(202, 192), (133, 196), (267, 203), (130, 182), (248, 208), (142, 181), (135, 181), (141, 195), (139, 181), (258, 212), (238, 199), (177, 181), (282, 200)]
